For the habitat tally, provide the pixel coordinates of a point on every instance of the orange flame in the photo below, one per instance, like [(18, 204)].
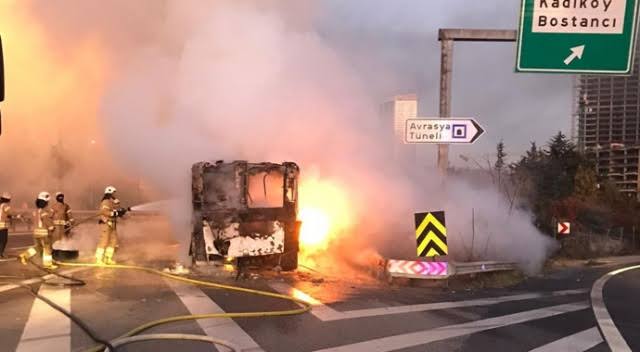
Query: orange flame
[(325, 213)]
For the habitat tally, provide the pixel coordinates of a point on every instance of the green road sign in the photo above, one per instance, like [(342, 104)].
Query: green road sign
[(577, 36)]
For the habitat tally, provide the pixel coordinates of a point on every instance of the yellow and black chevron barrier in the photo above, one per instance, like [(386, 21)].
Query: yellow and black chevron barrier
[(431, 234)]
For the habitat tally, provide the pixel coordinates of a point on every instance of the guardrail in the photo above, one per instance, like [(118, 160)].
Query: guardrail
[(418, 269), (480, 267)]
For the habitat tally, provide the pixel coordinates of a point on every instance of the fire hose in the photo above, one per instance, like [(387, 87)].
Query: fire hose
[(71, 282), (129, 337), (72, 317), (304, 306), (121, 341), (181, 337), (71, 226)]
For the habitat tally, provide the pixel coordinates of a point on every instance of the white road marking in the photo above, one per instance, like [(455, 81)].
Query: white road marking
[(608, 328), (46, 328), (197, 302), (397, 342), (9, 287), (578, 342), (318, 309), (326, 313)]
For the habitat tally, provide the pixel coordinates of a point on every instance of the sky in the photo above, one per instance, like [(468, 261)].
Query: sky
[(374, 35)]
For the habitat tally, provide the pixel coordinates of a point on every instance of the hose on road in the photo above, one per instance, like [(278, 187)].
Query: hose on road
[(71, 316), (128, 337), (180, 337), (71, 281), (304, 306)]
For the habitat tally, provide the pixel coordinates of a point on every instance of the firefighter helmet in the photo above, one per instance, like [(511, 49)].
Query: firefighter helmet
[(110, 190), (44, 196)]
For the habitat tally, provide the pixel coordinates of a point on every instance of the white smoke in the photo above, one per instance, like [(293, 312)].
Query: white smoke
[(237, 80)]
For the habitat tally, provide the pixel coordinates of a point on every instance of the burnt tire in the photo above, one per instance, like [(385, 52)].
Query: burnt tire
[(289, 261), (197, 248)]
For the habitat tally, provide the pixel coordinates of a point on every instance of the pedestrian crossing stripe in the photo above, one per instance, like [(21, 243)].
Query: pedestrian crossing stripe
[(431, 234)]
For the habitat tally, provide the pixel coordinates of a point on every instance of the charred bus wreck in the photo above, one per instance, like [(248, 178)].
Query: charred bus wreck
[(246, 210)]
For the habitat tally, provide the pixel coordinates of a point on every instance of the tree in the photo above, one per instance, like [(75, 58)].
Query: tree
[(557, 181), (585, 182), (609, 194), (500, 155), (559, 146), (550, 177), (533, 154)]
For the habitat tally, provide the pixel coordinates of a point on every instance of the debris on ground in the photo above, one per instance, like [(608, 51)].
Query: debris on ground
[(595, 262), (177, 269)]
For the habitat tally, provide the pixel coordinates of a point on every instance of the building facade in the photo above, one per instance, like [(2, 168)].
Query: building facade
[(394, 114), (619, 164), (606, 126)]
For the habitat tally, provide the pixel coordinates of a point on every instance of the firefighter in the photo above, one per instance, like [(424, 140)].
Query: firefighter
[(110, 211), (62, 218), (6, 214), (43, 218), (116, 205)]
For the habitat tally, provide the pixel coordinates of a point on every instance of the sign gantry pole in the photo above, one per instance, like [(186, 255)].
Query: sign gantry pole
[(446, 38)]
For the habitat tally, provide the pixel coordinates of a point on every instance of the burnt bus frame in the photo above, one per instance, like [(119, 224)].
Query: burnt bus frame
[(208, 211)]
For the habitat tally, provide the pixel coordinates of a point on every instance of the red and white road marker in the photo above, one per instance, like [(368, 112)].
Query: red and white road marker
[(564, 228), (417, 268)]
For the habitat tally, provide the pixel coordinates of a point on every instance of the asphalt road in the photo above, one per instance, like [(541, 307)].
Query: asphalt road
[(622, 300), (551, 313), (18, 242), (548, 313)]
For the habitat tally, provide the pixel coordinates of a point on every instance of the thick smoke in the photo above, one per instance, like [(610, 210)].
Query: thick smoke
[(198, 80), (56, 73)]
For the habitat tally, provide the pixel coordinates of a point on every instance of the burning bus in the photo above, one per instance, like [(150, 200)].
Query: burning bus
[(246, 210)]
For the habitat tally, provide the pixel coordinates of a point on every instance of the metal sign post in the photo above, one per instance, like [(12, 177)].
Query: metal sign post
[(447, 37)]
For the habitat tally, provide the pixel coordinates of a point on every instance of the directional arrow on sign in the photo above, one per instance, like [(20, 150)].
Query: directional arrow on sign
[(417, 268), (442, 131), (554, 37), (564, 228), (576, 52)]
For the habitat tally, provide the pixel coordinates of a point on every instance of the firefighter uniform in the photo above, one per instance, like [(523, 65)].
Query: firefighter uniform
[(5, 215), (109, 235), (62, 218), (43, 219)]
